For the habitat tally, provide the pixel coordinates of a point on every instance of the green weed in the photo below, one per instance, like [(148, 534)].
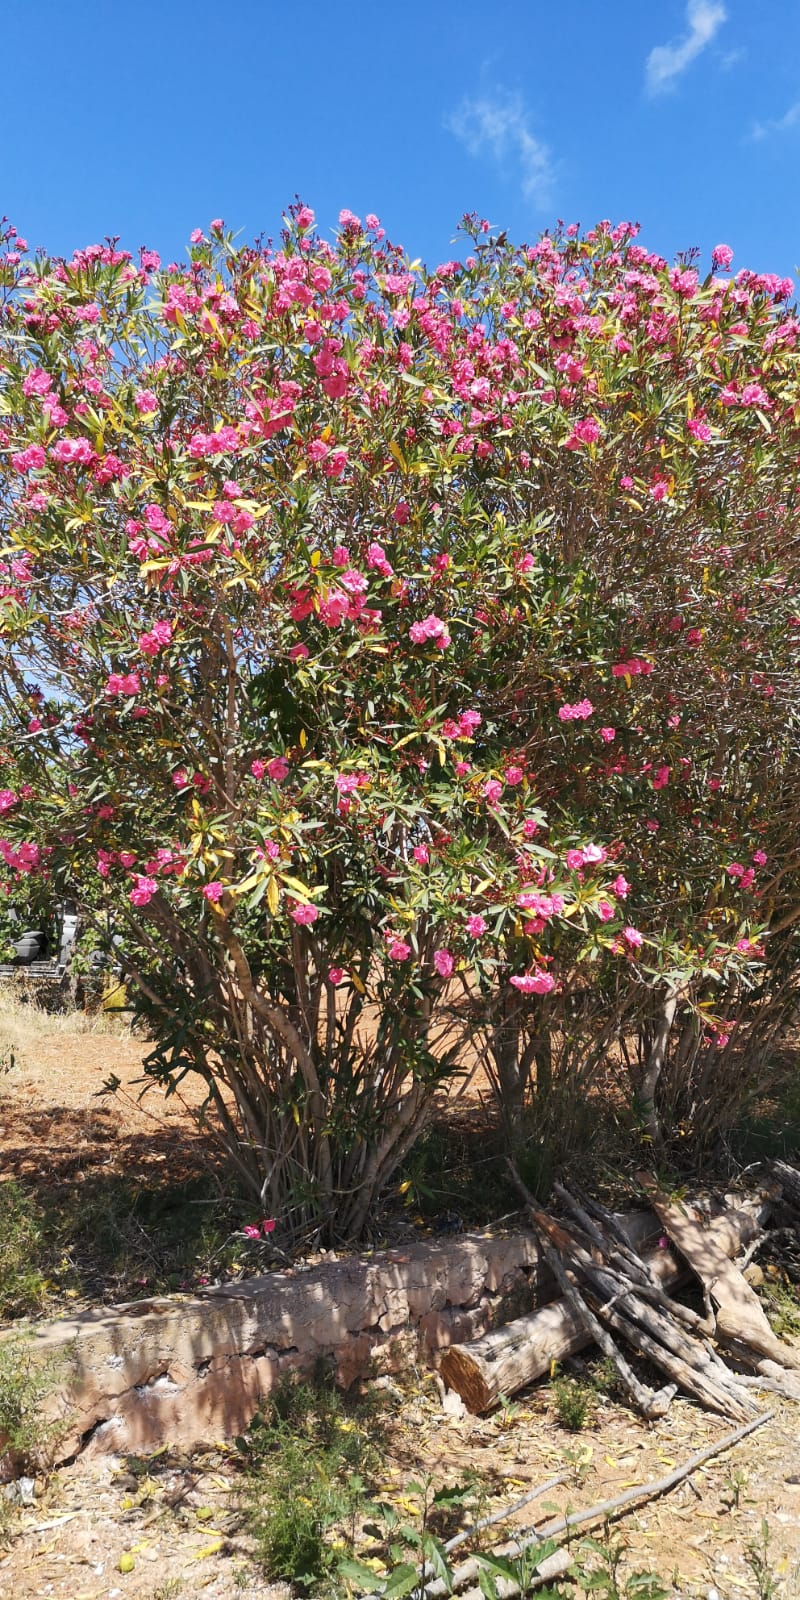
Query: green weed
[(574, 1403), (782, 1308), (22, 1284), (27, 1436), (311, 1455)]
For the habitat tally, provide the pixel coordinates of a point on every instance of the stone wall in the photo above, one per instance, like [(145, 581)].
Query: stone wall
[(186, 1370)]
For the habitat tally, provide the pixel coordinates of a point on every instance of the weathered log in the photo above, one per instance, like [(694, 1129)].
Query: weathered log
[(510, 1357), (652, 1331), (789, 1180), (739, 1313)]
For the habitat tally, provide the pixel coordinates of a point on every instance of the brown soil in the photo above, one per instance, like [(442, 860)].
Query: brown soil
[(55, 1123), (180, 1518)]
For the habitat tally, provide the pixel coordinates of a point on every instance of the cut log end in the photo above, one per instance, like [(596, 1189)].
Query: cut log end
[(462, 1372)]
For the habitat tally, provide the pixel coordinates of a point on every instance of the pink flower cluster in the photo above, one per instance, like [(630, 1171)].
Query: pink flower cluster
[(575, 713), (431, 628)]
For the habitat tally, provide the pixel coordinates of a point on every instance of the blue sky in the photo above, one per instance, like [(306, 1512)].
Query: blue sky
[(148, 119)]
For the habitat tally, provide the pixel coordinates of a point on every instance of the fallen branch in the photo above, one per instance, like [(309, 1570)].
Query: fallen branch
[(604, 1510), (649, 1402), (789, 1180), (689, 1362), (503, 1516), (508, 1358), (739, 1313)]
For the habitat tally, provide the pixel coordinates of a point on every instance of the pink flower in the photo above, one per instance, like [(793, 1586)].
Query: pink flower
[(258, 768), (143, 891), (377, 559), (608, 735), (421, 854), (145, 401), (699, 429), (476, 925), (251, 1231), (444, 963), (721, 256), (587, 431), (128, 683), (348, 782), (7, 799), (214, 892), (513, 775), (605, 910), (397, 949), (621, 887), (530, 828), (735, 870), (267, 1225), (335, 975), (536, 982), (278, 769), (576, 713), (298, 652), (759, 858), (432, 628), (492, 790), (574, 860), (304, 913), (305, 219), (632, 937), (661, 778)]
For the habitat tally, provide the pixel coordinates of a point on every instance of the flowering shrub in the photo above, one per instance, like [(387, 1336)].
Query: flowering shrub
[(396, 659)]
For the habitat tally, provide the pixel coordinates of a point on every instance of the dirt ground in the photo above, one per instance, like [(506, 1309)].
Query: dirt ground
[(54, 1124), (180, 1518)]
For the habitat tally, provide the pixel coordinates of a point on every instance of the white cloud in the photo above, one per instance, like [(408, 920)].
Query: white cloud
[(790, 119), (497, 125), (666, 62)]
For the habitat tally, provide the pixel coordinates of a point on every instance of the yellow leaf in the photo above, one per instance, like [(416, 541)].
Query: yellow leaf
[(396, 452), (273, 897), (212, 1549)]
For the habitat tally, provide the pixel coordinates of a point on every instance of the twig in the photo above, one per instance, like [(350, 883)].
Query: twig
[(502, 1516), (650, 1403)]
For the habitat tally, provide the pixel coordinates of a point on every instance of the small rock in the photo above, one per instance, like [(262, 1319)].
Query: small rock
[(753, 1275), (21, 1491), (453, 1404)]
